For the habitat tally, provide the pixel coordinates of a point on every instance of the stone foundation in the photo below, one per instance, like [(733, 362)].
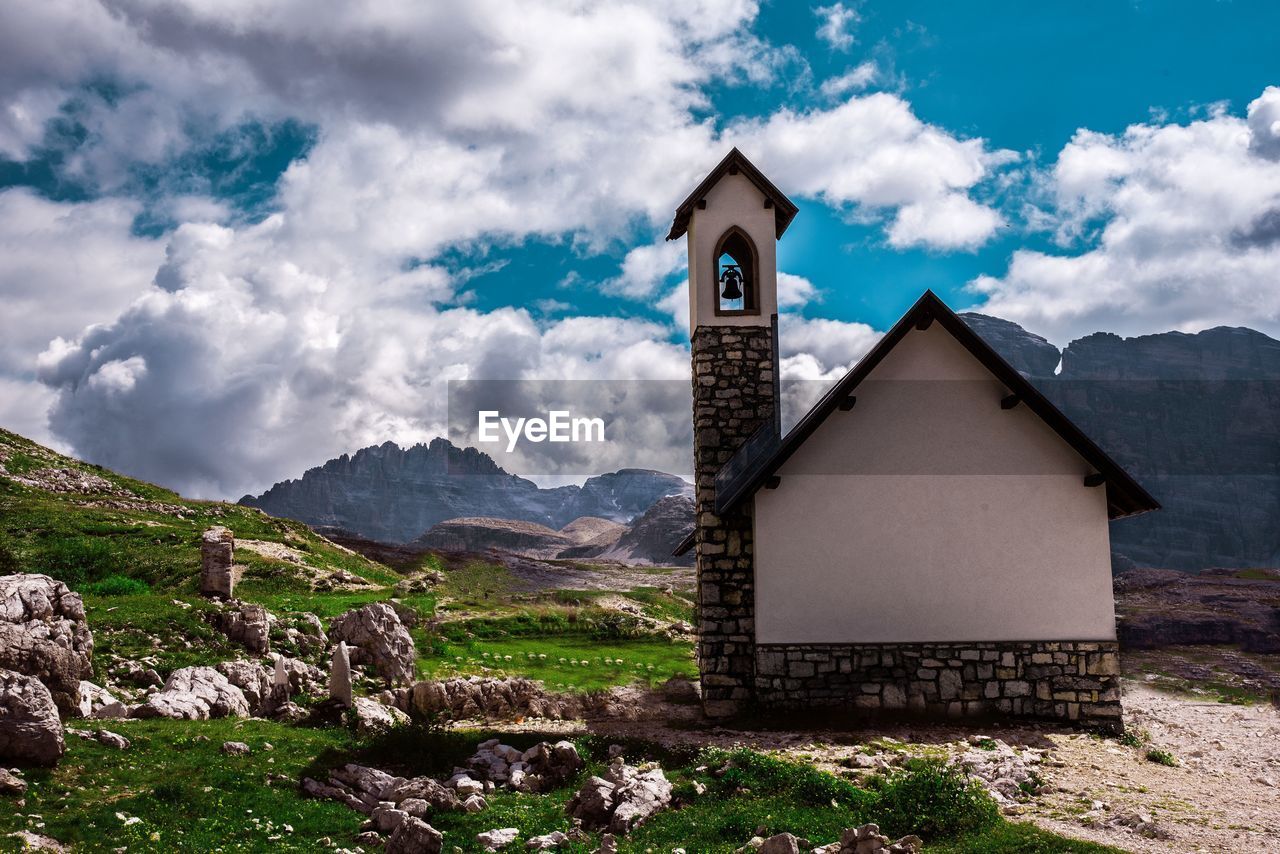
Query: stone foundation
[(1075, 681)]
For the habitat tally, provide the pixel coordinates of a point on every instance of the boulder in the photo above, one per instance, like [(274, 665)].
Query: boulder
[(552, 841), (781, 843), (365, 789), (93, 699), (340, 676), (195, 693), (235, 748), (30, 731), (371, 716), (415, 836), (621, 800), (12, 784), (867, 839), (102, 736), (43, 633), (253, 680), (217, 555), (497, 839), (380, 639), (246, 624)]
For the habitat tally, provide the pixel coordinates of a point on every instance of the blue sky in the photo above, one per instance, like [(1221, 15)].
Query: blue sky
[(239, 240)]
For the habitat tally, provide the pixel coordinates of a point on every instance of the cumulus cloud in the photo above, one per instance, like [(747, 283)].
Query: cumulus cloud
[(837, 23), (1178, 227), (873, 152), (228, 354)]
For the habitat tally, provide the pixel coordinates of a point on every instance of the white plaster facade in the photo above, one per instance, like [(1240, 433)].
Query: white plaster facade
[(929, 513)]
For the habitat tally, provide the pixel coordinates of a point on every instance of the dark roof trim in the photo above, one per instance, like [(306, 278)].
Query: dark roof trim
[(685, 544), (1125, 496), (783, 209)]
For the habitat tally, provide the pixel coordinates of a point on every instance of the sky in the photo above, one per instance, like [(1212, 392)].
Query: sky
[(238, 238)]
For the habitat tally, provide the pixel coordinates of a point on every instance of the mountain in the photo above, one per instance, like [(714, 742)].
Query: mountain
[(393, 494), (1194, 417), (650, 539), (647, 541)]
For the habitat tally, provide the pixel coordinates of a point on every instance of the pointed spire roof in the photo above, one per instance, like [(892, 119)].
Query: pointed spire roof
[(735, 162)]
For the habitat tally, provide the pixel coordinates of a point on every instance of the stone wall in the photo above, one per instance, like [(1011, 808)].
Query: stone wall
[(733, 394), (1073, 681)]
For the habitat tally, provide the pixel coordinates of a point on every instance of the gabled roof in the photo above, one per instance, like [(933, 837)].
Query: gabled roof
[(1125, 496), (735, 161)]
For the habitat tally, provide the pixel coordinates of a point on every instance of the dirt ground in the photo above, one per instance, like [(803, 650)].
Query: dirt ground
[(1222, 796)]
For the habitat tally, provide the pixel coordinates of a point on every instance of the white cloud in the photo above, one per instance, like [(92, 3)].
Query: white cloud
[(64, 266), (1189, 235), (854, 80), (946, 222), (837, 24), (332, 323), (647, 267), (874, 153)]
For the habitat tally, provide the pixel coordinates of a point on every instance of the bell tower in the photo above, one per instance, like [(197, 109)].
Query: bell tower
[(733, 220)]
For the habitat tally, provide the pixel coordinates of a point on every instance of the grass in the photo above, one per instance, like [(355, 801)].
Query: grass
[(151, 536), (552, 659), (188, 796), (1162, 757)]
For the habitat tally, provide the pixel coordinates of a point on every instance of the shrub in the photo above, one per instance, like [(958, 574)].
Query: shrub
[(934, 800), (766, 776), (1162, 757), (115, 585)]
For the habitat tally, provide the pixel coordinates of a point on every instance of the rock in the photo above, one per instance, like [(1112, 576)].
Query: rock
[(304, 678), (475, 803), (340, 676), (496, 840), (369, 839), (608, 844), (217, 554), (415, 836), (235, 748), (547, 842), (678, 689), (28, 841), (867, 839), (245, 623), (102, 736), (43, 633), (195, 693), (621, 800), (253, 680), (487, 698), (30, 731), (387, 819), (289, 713), (431, 792), (380, 639), (11, 784), (782, 843), (541, 768), (93, 699), (371, 716)]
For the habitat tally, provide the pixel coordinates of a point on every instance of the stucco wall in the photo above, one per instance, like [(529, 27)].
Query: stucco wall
[(732, 201), (928, 513)]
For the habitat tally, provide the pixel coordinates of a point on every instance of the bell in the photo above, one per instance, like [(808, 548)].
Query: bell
[(732, 280)]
